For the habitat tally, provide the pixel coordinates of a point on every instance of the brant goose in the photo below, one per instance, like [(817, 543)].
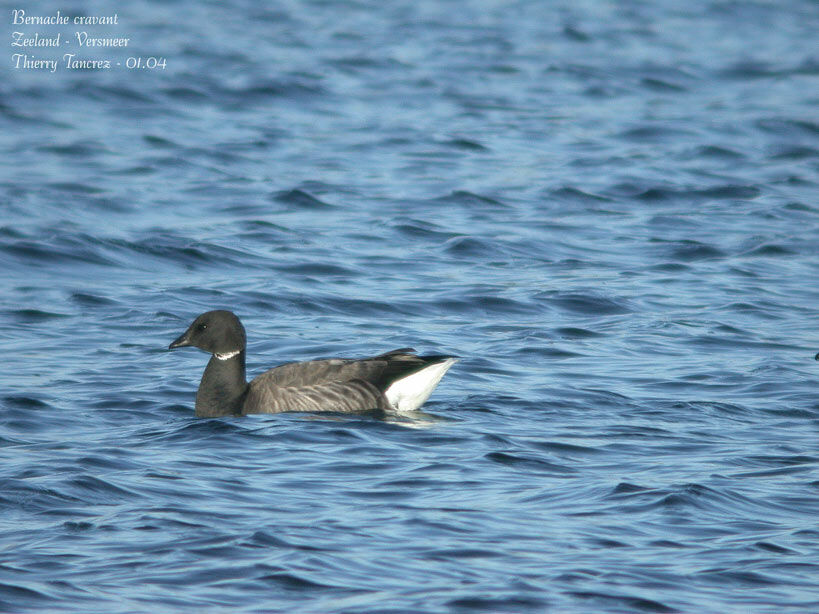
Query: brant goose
[(395, 381)]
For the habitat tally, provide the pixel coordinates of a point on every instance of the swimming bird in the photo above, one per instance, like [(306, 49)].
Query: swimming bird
[(397, 380)]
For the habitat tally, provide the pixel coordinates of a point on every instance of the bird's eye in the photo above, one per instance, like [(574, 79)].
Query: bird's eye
[(201, 327)]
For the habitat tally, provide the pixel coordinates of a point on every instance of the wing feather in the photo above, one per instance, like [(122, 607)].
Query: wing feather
[(334, 384), (349, 396)]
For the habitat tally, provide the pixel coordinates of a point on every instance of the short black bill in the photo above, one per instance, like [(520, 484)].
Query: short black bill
[(180, 342)]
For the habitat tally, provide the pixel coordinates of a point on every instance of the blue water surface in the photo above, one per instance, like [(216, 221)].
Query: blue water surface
[(609, 210)]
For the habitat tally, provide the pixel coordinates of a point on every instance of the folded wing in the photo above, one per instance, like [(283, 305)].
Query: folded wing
[(349, 396), (338, 384)]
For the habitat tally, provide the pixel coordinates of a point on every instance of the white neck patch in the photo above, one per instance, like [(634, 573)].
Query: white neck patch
[(228, 355)]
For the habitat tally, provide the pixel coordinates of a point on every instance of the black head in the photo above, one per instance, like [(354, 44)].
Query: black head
[(217, 332)]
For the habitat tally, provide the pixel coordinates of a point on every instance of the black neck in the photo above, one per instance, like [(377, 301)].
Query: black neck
[(223, 387)]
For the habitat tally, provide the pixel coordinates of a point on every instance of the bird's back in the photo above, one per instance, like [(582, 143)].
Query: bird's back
[(335, 384)]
